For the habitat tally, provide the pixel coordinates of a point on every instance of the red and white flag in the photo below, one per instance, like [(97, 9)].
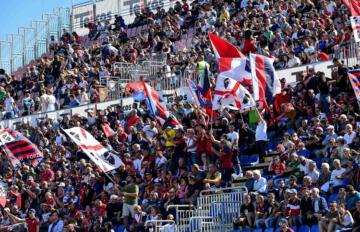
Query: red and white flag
[(265, 82), (222, 48), (229, 93), (354, 6), (236, 68), (97, 153), (355, 24)]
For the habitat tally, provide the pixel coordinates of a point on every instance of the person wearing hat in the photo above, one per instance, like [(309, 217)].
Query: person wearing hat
[(32, 222), (293, 208)]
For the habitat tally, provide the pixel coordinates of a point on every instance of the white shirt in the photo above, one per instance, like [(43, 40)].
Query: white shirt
[(190, 142), (260, 185), (305, 167), (9, 102), (349, 137), (334, 173), (260, 134), (314, 175), (137, 164), (293, 62), (160, 161), (51, 103), (150, 132), (233, 136), (44, 102)]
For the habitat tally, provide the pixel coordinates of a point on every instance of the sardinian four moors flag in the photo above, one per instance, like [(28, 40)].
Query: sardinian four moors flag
[(265, 82), (229, 93), (19, 149), (355, 24), (236, 68), (104, 159), (354, 77)]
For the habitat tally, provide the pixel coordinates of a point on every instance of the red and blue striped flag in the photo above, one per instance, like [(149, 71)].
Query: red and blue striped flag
[(18, 148), (354, 77)]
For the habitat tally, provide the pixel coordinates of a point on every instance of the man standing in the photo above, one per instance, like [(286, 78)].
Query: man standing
[(131, 192), (260, 135)]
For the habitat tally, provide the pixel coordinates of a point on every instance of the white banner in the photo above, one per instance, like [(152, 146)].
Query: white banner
[(105, 160), (81, 15), (106, 10), (355, 24)]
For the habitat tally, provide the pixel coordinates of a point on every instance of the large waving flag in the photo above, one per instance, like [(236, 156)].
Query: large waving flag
[(231, 94), (238, 69), (355, 24), (194, 91), (156, 108), (18, 148), (108, 131), (354, 6), (105, 160), (354, 77), (265, 82), (222, 48)]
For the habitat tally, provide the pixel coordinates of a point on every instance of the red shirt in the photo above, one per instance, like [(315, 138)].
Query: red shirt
[(226, 160), (47, 175), (32, 224), (278, 169)]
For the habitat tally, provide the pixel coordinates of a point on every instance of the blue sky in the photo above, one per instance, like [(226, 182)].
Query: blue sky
[(19, 13)]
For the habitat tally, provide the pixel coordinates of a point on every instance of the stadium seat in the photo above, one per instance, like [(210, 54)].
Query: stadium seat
[(294, 228), (278, 229), (258, 230), (332, 197), (120, 229), (304, 228), (246, 229), (237, 230), (315, 228), (244, 160), (269, 230), (254, 159)]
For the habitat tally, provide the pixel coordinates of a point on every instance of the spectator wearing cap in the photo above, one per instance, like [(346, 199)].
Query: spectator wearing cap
[(32, 222), (293, 208)]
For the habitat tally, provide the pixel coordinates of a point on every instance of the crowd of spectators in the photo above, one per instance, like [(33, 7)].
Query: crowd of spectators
[(311, 130), (293, 32)]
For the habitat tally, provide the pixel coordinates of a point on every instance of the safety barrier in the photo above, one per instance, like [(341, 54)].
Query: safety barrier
[(204, 224), (208, 196), (225, 211), (160, 226), (183, 213)]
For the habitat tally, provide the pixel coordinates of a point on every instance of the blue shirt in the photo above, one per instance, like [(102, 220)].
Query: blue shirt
[(351, 201)]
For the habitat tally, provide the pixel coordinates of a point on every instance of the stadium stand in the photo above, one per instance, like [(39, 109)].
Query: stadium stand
[(199, 175)]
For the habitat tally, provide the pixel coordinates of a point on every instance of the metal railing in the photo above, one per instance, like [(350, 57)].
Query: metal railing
[(183, 213)]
